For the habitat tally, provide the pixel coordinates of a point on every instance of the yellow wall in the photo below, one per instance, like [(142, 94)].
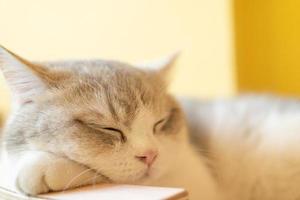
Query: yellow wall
[(268, 46), (129, 30), (266, 36)]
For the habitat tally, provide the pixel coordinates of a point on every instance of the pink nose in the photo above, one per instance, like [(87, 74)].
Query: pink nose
[(148, 157)]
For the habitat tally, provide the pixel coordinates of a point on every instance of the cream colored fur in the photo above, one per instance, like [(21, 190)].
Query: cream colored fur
[(252, 143), (85, 122)]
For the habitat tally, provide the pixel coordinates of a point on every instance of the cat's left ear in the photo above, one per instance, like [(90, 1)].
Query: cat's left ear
[(26, 79), (163, 66)]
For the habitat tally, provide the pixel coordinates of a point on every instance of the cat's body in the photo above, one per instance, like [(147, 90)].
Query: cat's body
[(86, 122), (252, 143)]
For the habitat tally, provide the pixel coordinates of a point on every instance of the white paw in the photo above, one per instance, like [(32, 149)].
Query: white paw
[(31, 180), (40, 172)]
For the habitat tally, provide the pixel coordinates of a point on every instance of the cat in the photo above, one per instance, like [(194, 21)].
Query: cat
[(252, 143), (77, 123)]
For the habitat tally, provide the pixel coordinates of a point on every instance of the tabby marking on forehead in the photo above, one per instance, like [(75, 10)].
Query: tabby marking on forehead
[(119, 92), (99, 114)]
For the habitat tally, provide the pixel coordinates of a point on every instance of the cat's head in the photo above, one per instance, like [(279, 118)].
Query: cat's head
[(107, 115)]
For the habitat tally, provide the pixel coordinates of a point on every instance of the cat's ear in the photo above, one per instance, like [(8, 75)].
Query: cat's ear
[(25, 79), (164, 66)]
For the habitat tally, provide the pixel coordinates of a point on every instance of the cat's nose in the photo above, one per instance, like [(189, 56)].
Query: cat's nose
[(148, 157)]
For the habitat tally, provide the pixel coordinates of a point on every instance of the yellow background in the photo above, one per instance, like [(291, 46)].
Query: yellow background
[(268, 46), (227, 46), (129, 30)]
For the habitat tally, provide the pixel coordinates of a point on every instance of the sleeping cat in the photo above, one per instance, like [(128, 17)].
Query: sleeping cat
[(85, 122), (77, 123)]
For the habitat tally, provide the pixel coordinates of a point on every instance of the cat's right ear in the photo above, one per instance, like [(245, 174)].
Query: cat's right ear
[(163, 66), (25, 79)]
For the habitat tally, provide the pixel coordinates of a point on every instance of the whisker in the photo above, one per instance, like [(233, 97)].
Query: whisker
[(94, 180), (74, 178)]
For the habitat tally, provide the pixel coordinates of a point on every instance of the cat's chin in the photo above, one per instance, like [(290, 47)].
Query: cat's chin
[(144, 178), (148, 177)]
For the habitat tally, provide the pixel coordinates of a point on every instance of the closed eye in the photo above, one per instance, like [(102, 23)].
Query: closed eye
[(159, 124), (102, 129), (117, 131), (112, 129)]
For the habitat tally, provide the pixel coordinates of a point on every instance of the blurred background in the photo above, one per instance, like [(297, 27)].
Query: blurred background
[(228, 47)]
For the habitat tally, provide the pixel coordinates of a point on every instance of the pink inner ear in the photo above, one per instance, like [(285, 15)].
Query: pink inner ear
[(24, 84), (24, 90)]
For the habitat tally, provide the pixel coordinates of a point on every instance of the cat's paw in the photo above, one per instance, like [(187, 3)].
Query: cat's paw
[(43, 172), (31, 180)]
